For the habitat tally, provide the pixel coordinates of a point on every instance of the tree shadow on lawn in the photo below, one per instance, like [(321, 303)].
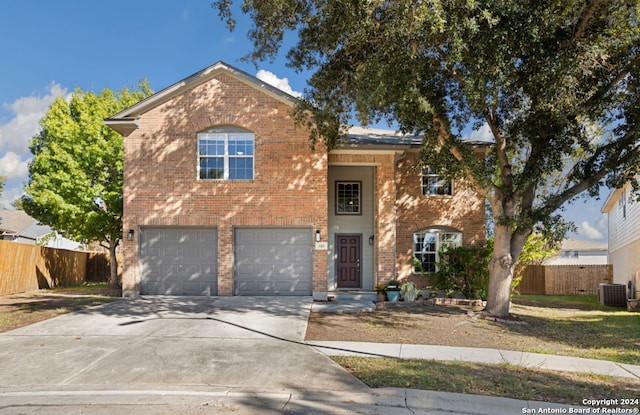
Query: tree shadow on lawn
[(19, 311), (590, 333), (609, 334)]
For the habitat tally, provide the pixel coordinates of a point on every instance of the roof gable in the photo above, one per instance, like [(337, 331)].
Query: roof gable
[(125, 122), (612, 198)]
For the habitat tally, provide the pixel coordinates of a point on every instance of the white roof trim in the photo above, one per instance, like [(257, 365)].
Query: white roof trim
[(611, 200), (124, 121)]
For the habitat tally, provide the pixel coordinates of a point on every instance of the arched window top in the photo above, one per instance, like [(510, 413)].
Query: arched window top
[(439, 228), (232, 129), (427, 244)]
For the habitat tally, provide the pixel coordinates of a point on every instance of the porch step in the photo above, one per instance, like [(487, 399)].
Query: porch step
[(345, 302), (346, 296)]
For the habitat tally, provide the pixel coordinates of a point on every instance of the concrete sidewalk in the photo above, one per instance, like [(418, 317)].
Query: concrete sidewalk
[(478, 355), (192, 400), (172, 355)]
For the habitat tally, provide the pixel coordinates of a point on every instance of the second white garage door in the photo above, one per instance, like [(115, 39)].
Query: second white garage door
[(273, 261)]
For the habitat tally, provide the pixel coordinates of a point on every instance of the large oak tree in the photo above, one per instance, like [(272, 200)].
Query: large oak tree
[(76, 175), (555, 81)]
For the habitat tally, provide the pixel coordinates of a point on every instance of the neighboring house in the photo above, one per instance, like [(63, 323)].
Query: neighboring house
[(624, 235), (17, 226), (224, 196), (580, 252)]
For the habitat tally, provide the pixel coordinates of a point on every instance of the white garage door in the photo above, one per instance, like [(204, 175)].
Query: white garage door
[(273, 261), (178, 261)]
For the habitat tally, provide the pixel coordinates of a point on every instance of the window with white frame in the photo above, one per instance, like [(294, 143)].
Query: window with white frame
[(225, 153), (427, 244), (433, 184)]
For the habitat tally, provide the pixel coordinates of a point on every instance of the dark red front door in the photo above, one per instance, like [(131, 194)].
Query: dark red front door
[(348, 261)]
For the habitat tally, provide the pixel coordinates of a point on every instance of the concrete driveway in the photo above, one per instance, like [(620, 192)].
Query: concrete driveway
[(193, 352)]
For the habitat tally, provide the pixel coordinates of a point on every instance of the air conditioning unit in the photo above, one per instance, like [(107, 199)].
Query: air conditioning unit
[(614, 295)]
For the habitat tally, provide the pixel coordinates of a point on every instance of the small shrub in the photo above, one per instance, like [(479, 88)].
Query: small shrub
[(409, 291), (463, 269)]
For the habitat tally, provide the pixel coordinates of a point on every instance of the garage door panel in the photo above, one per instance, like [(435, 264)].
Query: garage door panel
[(257, 287), (272, 261), (291, 270), (293, 286), (178, 261)]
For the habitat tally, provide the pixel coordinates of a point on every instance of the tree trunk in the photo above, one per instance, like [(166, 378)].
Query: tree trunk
[(113, 262), (506, 251), (500, 277)]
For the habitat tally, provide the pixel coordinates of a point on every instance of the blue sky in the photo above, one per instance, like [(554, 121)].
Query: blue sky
[(51, 47)]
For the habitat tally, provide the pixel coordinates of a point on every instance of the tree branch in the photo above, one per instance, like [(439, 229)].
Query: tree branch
[(445, 141), (598, 175), (455, 75), (586, 16), (501, 148)]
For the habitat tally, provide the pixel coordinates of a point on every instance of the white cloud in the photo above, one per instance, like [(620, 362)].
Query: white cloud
[(585, 229), (24, 123), (12, 166), (273, 80), (10, 193), (15, 135), (482, 134)]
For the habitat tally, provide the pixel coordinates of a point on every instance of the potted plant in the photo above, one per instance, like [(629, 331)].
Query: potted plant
[(409, 291), (393, 290), (381, 290)]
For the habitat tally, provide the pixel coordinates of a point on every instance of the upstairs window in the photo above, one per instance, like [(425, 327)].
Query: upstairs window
[(225, 153), (348, 198), (435, 185), (622, 203), (427, 244)]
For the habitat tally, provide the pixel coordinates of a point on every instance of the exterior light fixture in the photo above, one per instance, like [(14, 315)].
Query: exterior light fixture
[(130, 235), (317, 236), (371, 238)]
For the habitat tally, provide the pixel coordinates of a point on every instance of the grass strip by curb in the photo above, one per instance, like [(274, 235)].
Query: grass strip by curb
[(491, 380)]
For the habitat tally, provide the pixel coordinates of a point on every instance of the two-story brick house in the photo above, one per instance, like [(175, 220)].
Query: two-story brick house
[(224, 196)]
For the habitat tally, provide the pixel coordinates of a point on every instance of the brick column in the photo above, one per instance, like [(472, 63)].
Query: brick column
[(225, 259), (385, 218)]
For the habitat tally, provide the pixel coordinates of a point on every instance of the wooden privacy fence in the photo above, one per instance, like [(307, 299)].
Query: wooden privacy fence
[(30, 267), (564, 279)]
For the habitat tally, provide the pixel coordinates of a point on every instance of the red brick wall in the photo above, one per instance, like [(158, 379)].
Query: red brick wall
[(464, 211), (396, 222), (161, 186), (385, 229)]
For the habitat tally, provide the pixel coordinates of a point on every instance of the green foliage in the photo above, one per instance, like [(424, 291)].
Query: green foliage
[(409, 292), (556, 82), (2, 179), (76, 175), (535, 251), (463, 269)]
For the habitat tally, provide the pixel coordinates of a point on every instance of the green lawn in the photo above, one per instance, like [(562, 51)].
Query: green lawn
[(586, 328), (589, 329), (490, 380)]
